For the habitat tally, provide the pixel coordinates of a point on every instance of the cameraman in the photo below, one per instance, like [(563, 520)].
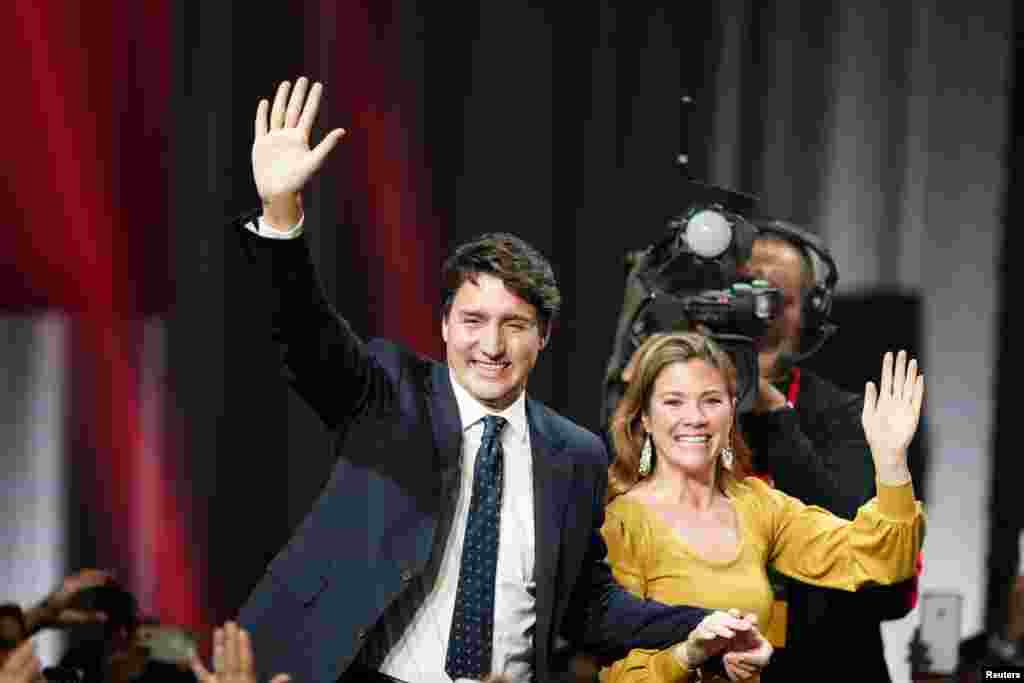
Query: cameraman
[(807, 440)]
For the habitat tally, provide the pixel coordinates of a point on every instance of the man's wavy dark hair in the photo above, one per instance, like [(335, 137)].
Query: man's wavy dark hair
[(523, 269)]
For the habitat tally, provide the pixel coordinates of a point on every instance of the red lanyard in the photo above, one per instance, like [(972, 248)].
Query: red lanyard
[(794, 388)]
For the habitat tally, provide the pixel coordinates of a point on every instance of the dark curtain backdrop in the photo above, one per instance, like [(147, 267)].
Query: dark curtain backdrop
[(560, 124)]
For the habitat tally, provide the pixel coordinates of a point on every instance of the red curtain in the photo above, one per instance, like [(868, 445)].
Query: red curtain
[(87, 131)]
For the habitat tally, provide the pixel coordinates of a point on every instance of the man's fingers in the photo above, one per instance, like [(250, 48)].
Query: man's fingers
[(281, 678), (280, 105), (262, 109), (318, 154), (310, 109), (295, 102)]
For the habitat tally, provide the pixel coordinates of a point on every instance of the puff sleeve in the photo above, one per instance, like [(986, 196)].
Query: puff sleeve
[(808, 543)]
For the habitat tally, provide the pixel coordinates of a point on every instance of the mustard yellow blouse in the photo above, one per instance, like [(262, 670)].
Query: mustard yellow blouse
[(650, 559)]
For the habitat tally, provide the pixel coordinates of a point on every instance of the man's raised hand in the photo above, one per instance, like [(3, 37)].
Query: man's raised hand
[(282, 161)]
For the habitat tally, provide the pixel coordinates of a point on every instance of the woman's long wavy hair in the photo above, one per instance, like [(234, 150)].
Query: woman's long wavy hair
[(627, 429)]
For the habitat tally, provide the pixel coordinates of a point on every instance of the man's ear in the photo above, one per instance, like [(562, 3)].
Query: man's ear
[(444, 328)]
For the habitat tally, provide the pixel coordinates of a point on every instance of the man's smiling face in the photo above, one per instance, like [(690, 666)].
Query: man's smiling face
[(493, 338)]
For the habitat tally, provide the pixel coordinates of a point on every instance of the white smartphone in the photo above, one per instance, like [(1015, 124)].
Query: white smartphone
[(940, 629)]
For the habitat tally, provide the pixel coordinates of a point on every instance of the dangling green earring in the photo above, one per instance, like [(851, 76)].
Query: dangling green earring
[(727, 457), (645, 457)]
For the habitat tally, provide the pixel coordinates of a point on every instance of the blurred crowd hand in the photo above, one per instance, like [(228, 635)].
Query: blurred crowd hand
[(232, 658), (21, 665), (57, 610)]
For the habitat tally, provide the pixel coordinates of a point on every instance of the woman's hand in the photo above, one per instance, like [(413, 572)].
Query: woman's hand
[(749, 653), (891, 416), (712, 636)]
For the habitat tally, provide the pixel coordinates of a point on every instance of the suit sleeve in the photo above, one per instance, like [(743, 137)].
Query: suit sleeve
[(321, 357), (607, 620)]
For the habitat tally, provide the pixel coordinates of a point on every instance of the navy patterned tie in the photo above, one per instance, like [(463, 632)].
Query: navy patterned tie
[(469, 643)]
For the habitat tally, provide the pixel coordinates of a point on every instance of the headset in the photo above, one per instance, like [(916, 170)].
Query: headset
[(816, 307)]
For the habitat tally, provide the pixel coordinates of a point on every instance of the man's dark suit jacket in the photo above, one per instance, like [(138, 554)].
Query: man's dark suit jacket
[(392, 492)]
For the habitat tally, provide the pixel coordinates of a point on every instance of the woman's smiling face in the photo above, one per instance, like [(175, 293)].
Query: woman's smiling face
[(689, 416)]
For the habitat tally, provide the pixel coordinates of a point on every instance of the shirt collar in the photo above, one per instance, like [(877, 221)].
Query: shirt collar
[(472, 411)]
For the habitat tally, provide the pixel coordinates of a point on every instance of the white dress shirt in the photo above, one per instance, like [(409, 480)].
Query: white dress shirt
[(261, 228), (419, 655)]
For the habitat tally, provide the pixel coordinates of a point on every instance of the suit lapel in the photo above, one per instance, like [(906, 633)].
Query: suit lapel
[(552, 475), (443, 415)]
